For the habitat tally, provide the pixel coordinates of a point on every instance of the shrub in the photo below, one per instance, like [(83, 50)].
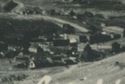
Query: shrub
[(116, 47)]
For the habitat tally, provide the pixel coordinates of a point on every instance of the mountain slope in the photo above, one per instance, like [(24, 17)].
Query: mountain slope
[(106, 70)]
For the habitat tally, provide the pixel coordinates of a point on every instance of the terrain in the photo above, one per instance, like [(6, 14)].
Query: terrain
[(108, 70), (105, 69), (88, 73)]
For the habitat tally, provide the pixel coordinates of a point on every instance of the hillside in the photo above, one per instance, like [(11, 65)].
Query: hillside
[(83, 73), (103, 4), (38, 31), (105, 69), (19, 25)]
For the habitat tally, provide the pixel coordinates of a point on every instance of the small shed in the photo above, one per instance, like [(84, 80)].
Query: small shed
[(32, 64)]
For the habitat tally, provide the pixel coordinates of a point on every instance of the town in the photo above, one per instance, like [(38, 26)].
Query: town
[(63, 44), (36, 38)]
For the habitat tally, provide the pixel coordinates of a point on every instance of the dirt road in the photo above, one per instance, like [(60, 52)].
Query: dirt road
[(53, 20)]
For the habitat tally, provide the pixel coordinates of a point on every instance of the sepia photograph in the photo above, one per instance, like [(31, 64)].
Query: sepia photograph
[(62, 41)]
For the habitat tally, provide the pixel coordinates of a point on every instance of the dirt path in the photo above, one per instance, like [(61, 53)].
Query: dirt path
[(52, 19)]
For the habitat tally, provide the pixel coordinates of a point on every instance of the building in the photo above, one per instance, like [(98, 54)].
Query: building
[(73, 38), (61, 42), (32, 65)]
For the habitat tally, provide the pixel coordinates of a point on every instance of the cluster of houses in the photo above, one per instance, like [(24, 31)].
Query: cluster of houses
[(65, 48), (59, 48)]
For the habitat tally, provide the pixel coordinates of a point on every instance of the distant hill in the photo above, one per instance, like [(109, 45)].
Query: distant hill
[(19, 27), (29, 2), (101, 4)]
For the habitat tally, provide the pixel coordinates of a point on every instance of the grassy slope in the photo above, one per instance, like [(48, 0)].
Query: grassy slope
[(105, 69), (83, 73)]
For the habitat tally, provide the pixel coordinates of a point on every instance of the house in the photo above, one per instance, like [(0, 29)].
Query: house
[(35, 48), (99, 37), (61, 42), (68, 38), (32, 49), (32, 64), (83, 38), (60, 46), (28, 10), (73, 38)]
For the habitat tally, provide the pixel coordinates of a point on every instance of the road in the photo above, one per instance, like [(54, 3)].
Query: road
[(55, 20)]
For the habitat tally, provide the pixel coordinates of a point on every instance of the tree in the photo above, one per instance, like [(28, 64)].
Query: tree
[(86, 56), (115, 47), (88, 14), (87, 48), (124, 33), (72, 13), (90, 55)]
